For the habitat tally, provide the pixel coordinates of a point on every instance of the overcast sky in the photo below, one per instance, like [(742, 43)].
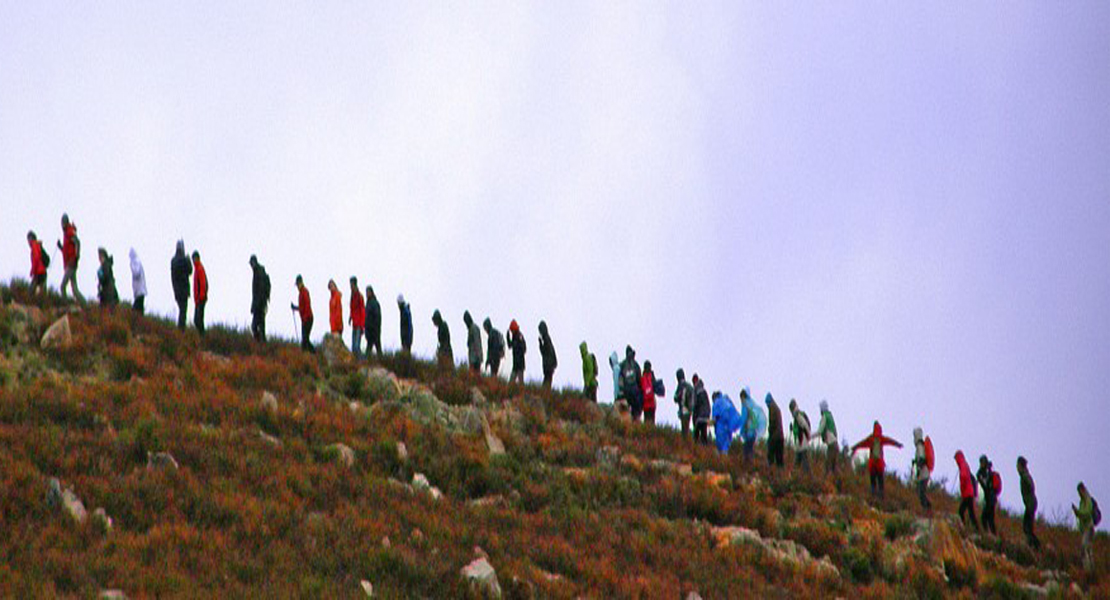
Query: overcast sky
[(904, 209)]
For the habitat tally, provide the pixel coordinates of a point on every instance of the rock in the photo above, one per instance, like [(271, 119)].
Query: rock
[(477, 398), (335, 351), (269, 439), (215, 358), (480, 553), (367, 588), (402, 452), (53, 493), (112, 595), (160, 460), (608, 457), (101, 521), (1035, 591), (386, 543), (488, 501), (420, 483), (269, 402), (482, 578), (469, 420), (785, 551), (64, 498), (494, 443), (344, 454), (693, 596), (382, 384), (58, 335)]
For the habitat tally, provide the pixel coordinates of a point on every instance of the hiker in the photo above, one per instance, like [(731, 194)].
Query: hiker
[(775, 438), (260, 299), (335, 309), (200, 292), (547, 353), (180, 270), (495, 347), (755, 422), (703, 411), (826, 432), (406, 324), (1087, 516), (106, 292), (726, 421), (39, 261), (444, 354), (630, 384), (876, 466), (373, 323), (589, 372), (357, 318), (615, 367), (473, 343), (922, 469), (1029, 499), (684, 398), (800, 431), (304, 307), (648, 388), (517, 345), (138, 283), (70, 246), (968, 491), (988, 480)]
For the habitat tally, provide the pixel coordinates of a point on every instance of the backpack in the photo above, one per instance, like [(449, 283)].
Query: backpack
[(996, 483), (1096, 514), (930, 457), (660, 388), (265, 286), (628, 377), (44, 256)]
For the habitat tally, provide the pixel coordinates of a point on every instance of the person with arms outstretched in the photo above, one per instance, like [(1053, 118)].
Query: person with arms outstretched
[(876, 465)]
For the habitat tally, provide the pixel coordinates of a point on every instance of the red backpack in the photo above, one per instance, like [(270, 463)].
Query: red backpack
[(930, 457), (996, 482)]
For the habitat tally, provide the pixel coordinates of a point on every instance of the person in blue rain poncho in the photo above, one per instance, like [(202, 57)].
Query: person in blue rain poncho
[(754, 422), (726, 421)]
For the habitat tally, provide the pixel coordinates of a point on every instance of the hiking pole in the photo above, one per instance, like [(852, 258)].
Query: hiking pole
[(294, 317)]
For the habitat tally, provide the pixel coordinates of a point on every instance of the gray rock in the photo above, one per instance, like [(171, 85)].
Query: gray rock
[(335, 351), (344, 454), (381, 384), (58, 335), (112, 595), (61, 497), (402, 452), (482, 578), (420, 483), (269, 402), (367, 588), (101, 521), (160, 460)]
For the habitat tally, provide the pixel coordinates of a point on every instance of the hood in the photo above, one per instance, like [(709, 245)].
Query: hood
[(769, 400), (369, 292), (514, 326), (135, 264), (400, 299), (436, 318), (629, 352), (680, 375), (614, 360), (467, 318), (487, 325), (824, 406), (960, 460), (877, 431), (180, 248), (584, 349), (543, 328), (918, 434)]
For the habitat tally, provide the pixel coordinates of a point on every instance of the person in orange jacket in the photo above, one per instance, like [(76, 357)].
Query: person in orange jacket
[(876, 466), (38, 265), (200, 292), (357, 318), (335, 308), (304, 307)]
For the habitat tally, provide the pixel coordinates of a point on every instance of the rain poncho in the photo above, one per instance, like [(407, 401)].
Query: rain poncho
[(138, 275), (726, 421), (615, 365), (755, 420)]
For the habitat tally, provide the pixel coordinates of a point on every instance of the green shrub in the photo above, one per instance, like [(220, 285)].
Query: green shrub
[(859, 564), (897, 526)]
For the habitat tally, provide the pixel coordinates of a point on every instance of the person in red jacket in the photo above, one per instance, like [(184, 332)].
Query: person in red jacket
[(647, 388), (38, 265), (335, 308), (967, 490), (357, 318), (200, 292), (71, 254), (304, 307), (876, 466)]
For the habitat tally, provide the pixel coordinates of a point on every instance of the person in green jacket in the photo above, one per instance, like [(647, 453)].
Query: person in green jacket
[(1085, 522), (589, 372), (826, 432)]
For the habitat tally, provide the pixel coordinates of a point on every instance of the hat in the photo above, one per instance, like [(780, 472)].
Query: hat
[(400, 298), (514, 326)]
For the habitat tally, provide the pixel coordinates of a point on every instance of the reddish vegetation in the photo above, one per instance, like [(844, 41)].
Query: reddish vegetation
[(246, 516)]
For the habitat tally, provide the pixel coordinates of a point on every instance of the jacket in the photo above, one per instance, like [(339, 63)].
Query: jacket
[(106, 284), (180, 270), (589, 366), (474, 344), (138, 276), (920, 463), (200, 283), (1028, 490), (826, 429), (967, 482), (726, 422), (518, 346), (260, 289), (774, 420), (71, 246), (875, 443), (37, 266), (335, 311), (986, 481), (495, 345), (684, 398), (1085, 514), (443, 332), (800, 427), (615, 366), (547, 350), (702, 407), (647, 389), (630, 381), (406, 324), (372, 321), (755, 420), (358, 311), (304, 304)]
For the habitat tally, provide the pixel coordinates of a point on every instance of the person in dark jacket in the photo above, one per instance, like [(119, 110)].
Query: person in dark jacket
[(260, 299), (406, 324), (630, 384), (304, 307), (985, 477), (180, 271), (444, 354), (200, 292), (357, 318), (519, 347), (547, 353), (703, 411), (38, 265), (473, 343), (684, 398), (1029, 499), (106, 280), (373, 322), (776, 440), (495, 347)]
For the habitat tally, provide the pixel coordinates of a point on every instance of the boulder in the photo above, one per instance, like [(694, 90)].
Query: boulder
[(344, 454), (160, 460), (367, 588), (61, 497), (785, 551), (420, 483), (494, 443), (112, 595), (101, 521), (482, 578), (269, 439), (269, 402), (58, 335), (335, 351), (402, 452), (382, 384)]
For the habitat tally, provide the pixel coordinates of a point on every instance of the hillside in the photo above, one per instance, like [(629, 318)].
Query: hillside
[(226, 467)]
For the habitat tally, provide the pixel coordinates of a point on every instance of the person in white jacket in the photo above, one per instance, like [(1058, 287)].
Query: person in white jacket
[(138, 282)]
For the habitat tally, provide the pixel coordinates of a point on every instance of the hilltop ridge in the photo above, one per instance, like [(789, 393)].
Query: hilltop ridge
[(140, 459)]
